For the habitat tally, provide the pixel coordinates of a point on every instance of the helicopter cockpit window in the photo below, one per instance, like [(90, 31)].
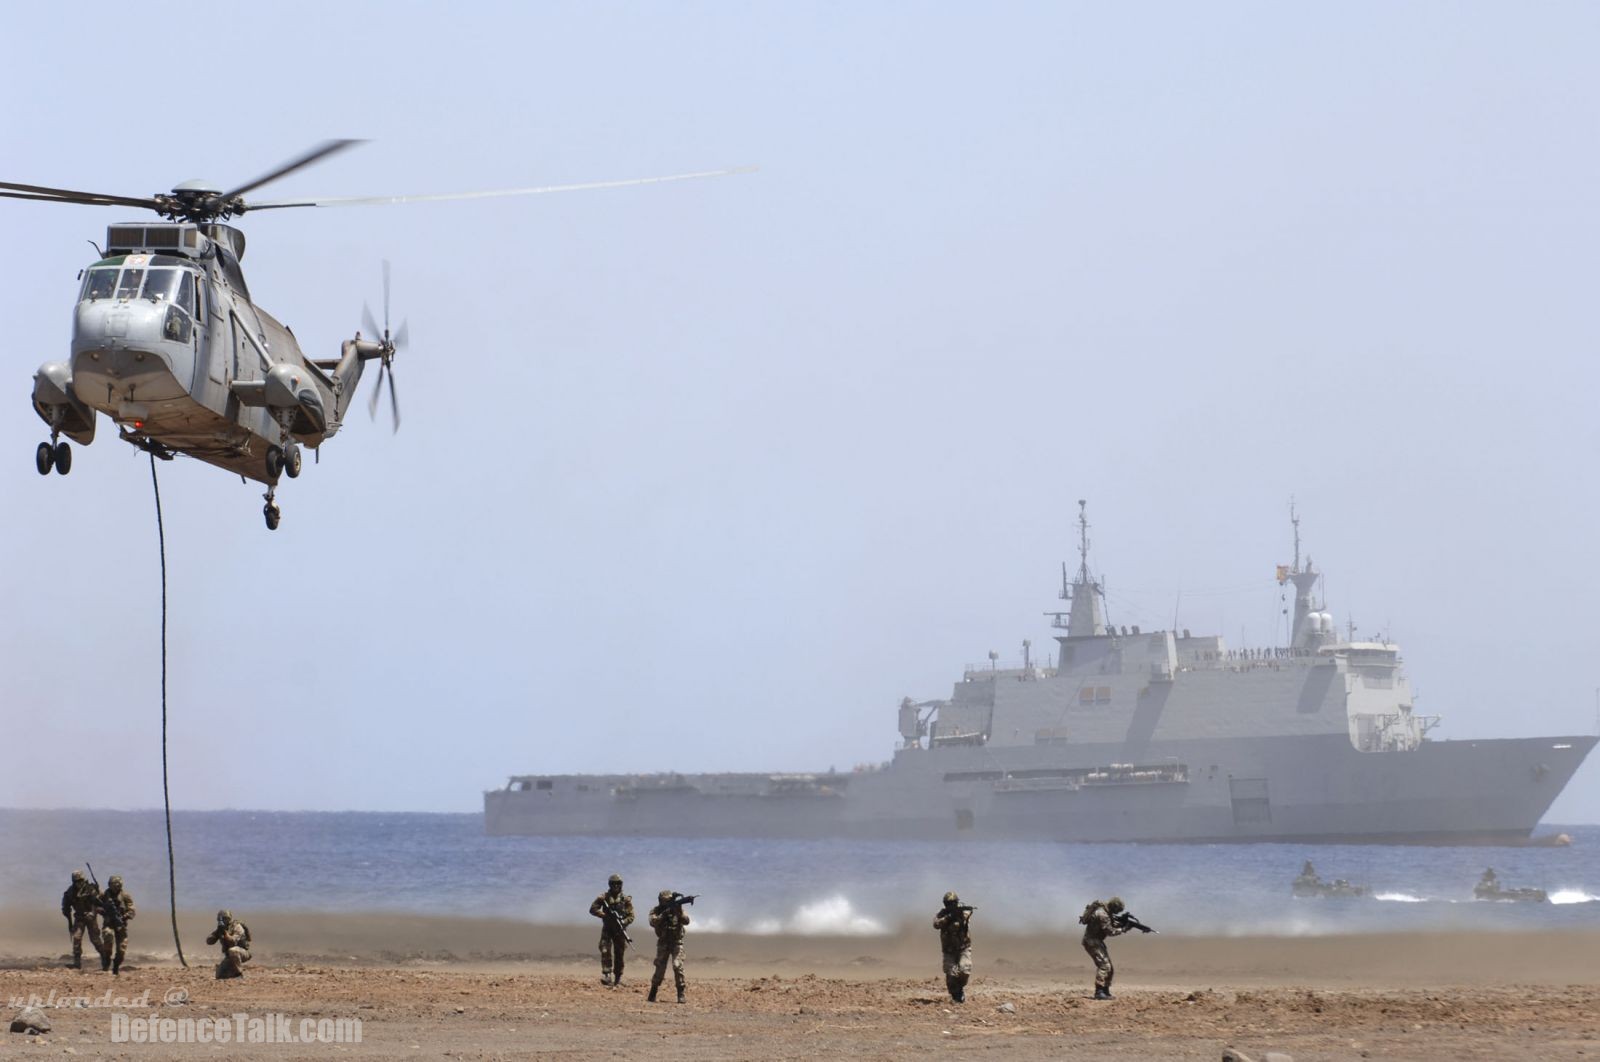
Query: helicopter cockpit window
[(131, 280), (186, 291), (161, 285), (100, 283)]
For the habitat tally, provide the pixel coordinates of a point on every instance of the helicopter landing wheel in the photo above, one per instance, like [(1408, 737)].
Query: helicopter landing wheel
[(293, 462), (272, 514), (274, 461), (63, 457), (44, 458)]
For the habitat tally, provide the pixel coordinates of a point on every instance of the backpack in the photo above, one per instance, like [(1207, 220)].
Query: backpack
[(1088, 912)]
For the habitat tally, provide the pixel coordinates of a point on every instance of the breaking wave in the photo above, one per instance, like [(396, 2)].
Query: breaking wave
[(1573, 896), (1399, 897)]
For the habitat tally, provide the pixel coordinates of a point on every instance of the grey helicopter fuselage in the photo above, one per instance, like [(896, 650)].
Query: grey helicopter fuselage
[(167, 343)]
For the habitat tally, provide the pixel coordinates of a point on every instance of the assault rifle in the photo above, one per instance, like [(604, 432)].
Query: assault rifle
[(613, 916), (1126, 920), (675, 904), (112, 912)]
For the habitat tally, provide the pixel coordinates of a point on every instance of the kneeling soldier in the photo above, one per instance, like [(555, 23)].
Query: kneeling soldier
[(233, 937)]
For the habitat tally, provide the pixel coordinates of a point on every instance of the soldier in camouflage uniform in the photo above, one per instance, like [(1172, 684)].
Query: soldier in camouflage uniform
[(1099, 923), (668, 920), (117, 908), (613, 930), (233, 937), (81, 906), (955, 940)]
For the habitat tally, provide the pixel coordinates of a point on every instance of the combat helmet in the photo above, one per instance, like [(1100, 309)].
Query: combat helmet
[(224, 916), (77, 875), (951, 899), (114, 882), (615, 879), (665, 895), (1115, 905)]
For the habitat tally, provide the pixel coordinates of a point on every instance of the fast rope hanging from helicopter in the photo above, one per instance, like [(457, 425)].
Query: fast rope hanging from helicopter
[(166, 799)]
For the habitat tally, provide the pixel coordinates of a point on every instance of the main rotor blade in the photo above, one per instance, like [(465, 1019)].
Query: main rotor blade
[(386, 298), (371, 325), (375, 200), (66, 195), (321, 151), (401, 336)]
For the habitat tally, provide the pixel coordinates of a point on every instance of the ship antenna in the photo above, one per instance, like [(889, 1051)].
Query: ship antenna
[(1083, 541), (1294, 519)]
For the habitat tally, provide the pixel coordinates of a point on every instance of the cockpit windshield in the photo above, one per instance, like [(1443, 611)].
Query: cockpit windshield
[(158, 285), (100, 283)]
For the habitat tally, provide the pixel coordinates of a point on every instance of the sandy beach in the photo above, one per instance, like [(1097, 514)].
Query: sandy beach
[(473, 988)]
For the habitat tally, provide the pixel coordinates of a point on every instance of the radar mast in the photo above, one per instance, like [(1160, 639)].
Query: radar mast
[(1087, 618)]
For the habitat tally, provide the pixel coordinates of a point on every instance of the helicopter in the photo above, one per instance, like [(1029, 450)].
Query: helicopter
[(169, 345)]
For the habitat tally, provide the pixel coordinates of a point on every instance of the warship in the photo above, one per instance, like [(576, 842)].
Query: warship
[(1124, 736)]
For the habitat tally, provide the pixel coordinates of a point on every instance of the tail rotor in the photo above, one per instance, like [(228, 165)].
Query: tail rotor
[(391, 344)]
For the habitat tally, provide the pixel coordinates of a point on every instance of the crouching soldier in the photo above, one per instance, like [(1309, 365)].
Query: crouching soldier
[(233, 937), (1099, 922)]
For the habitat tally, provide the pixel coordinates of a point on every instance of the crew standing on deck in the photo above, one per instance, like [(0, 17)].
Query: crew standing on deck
[(615, 912), (955, 940)]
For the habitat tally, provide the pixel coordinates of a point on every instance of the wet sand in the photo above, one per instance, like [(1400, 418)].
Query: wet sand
[(472, 988)]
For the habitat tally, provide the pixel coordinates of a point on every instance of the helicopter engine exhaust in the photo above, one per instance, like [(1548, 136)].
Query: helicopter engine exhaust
[(59, 406)]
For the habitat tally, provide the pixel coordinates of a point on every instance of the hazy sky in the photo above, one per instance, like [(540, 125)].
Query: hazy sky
[(709, 475)]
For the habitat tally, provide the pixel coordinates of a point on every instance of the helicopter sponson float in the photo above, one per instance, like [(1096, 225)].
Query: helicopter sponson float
[(168, 344)]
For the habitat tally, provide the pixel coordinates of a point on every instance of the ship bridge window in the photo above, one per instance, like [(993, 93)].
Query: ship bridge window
[(544, 783)]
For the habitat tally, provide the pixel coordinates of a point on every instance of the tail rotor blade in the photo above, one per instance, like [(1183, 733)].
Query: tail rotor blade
[(377, 392), (394, 402)]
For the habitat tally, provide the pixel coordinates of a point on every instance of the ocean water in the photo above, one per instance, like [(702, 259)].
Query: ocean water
[(445, 865)]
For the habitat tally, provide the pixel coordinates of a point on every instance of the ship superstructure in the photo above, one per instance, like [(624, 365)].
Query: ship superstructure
[(1127, 735)]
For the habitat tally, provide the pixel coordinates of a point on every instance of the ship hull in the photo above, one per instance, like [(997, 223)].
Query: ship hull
[(1304, 789)]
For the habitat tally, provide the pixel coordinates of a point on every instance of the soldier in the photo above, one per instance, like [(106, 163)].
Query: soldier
[(615, 912), (955, 939), (116, 907), (233, 937), (81, 906), (668, 919), (1099, 922)]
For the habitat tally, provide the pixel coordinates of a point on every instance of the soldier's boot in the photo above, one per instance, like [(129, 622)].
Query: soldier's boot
[(651, 998), (105, 963), (960, 994), (605, 978), (1101, 993), (680, 996), (116, 966), (77, 956)]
